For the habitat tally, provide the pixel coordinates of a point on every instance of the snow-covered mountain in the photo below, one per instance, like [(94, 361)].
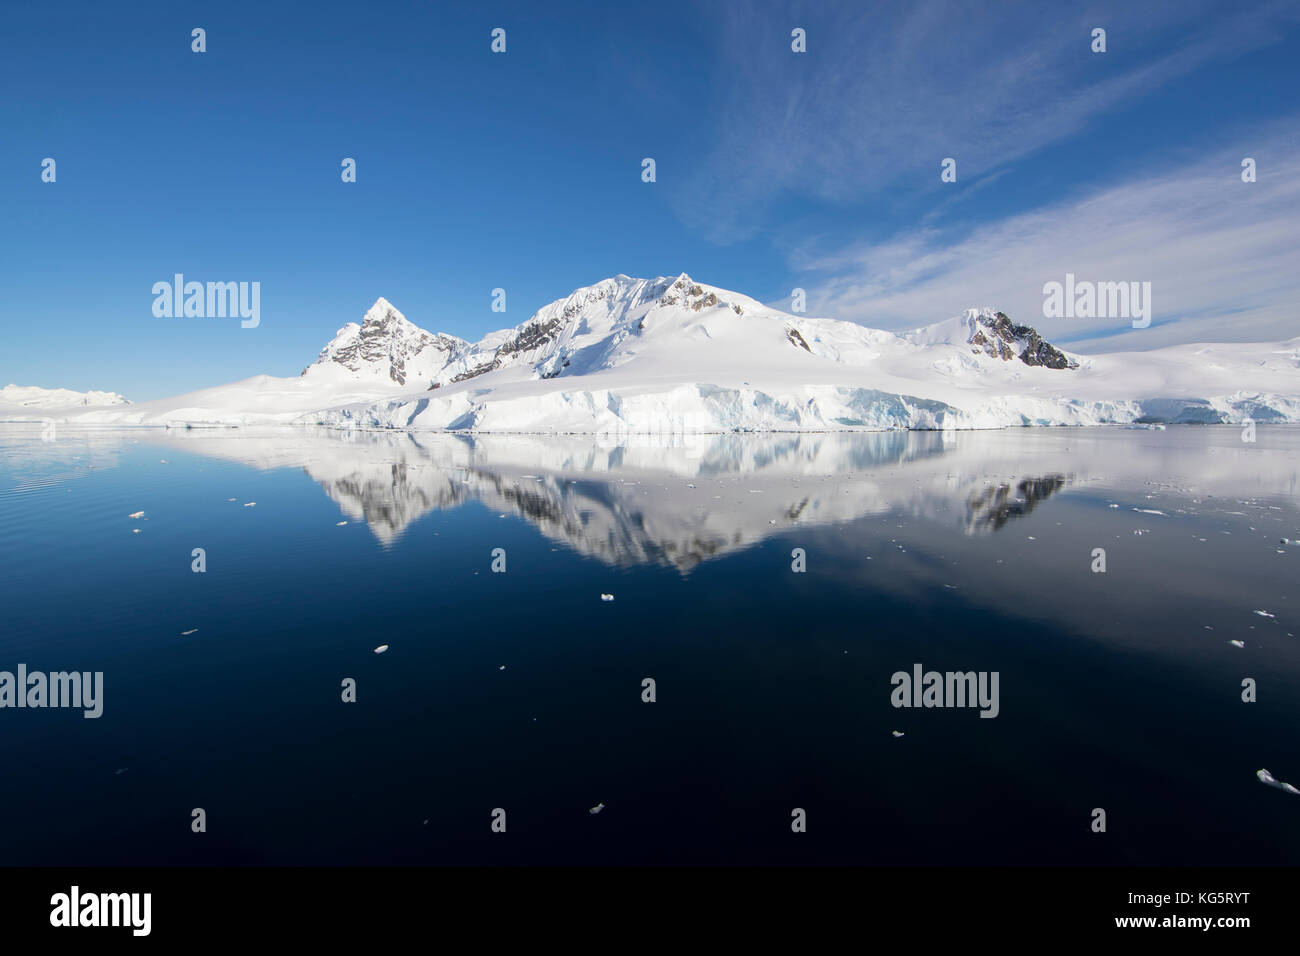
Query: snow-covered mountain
[(674, 355)]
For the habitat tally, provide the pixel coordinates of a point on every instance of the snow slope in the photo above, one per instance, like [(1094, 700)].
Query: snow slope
[(672, 355)]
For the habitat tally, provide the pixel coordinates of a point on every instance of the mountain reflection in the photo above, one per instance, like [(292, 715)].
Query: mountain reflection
[(674, 502), (681, 500), (995, 506)]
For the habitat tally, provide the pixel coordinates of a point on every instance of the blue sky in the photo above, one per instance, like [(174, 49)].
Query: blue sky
[(522, 170)]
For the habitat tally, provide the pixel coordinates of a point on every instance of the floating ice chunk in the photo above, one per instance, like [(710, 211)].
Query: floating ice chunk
[(340, 524), (1265, 614), (250, 504), (230, 499), (162, 461), (897, 733), (140, 514), (1112, 506), (1266, 777), (381, 648), (193, 630), (597, 808), (606, 597), (135, 530), (1237, 643), (1151, 511), (502, 667)]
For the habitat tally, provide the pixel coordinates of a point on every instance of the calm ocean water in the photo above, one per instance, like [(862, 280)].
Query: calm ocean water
[(523, 690)]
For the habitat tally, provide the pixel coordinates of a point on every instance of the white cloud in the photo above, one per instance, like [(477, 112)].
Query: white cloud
[(886, 91), (1223, 257)]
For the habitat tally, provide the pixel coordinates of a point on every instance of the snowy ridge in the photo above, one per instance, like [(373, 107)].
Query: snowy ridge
[(674, 355), (33, 397)]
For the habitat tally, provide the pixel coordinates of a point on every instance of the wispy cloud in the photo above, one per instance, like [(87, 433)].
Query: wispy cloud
[(1221, 256), (887, 90)]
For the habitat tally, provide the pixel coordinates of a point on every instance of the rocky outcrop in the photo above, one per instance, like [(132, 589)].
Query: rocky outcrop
[(796, 339), (996, 335), (385, 343)]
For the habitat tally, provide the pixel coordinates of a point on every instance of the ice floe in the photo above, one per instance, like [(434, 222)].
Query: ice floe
[(1266, 777)]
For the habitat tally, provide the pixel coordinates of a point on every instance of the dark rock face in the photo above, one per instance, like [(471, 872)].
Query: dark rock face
[(797, 339), (1001, 338), (477, 371), (1046, 355), (533, 336)]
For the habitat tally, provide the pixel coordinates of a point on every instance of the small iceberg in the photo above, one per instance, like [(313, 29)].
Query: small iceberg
[(381, 648), (340, 524), (140, 514), (193, 630), (606, 597), (1237, 643), (897, 733), (1266, 777), (600, 806), (250, 504)]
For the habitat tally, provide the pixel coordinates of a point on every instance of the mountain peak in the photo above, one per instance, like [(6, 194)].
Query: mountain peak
[(998, 336), (383, 346), (383, 311), (990, 332)]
